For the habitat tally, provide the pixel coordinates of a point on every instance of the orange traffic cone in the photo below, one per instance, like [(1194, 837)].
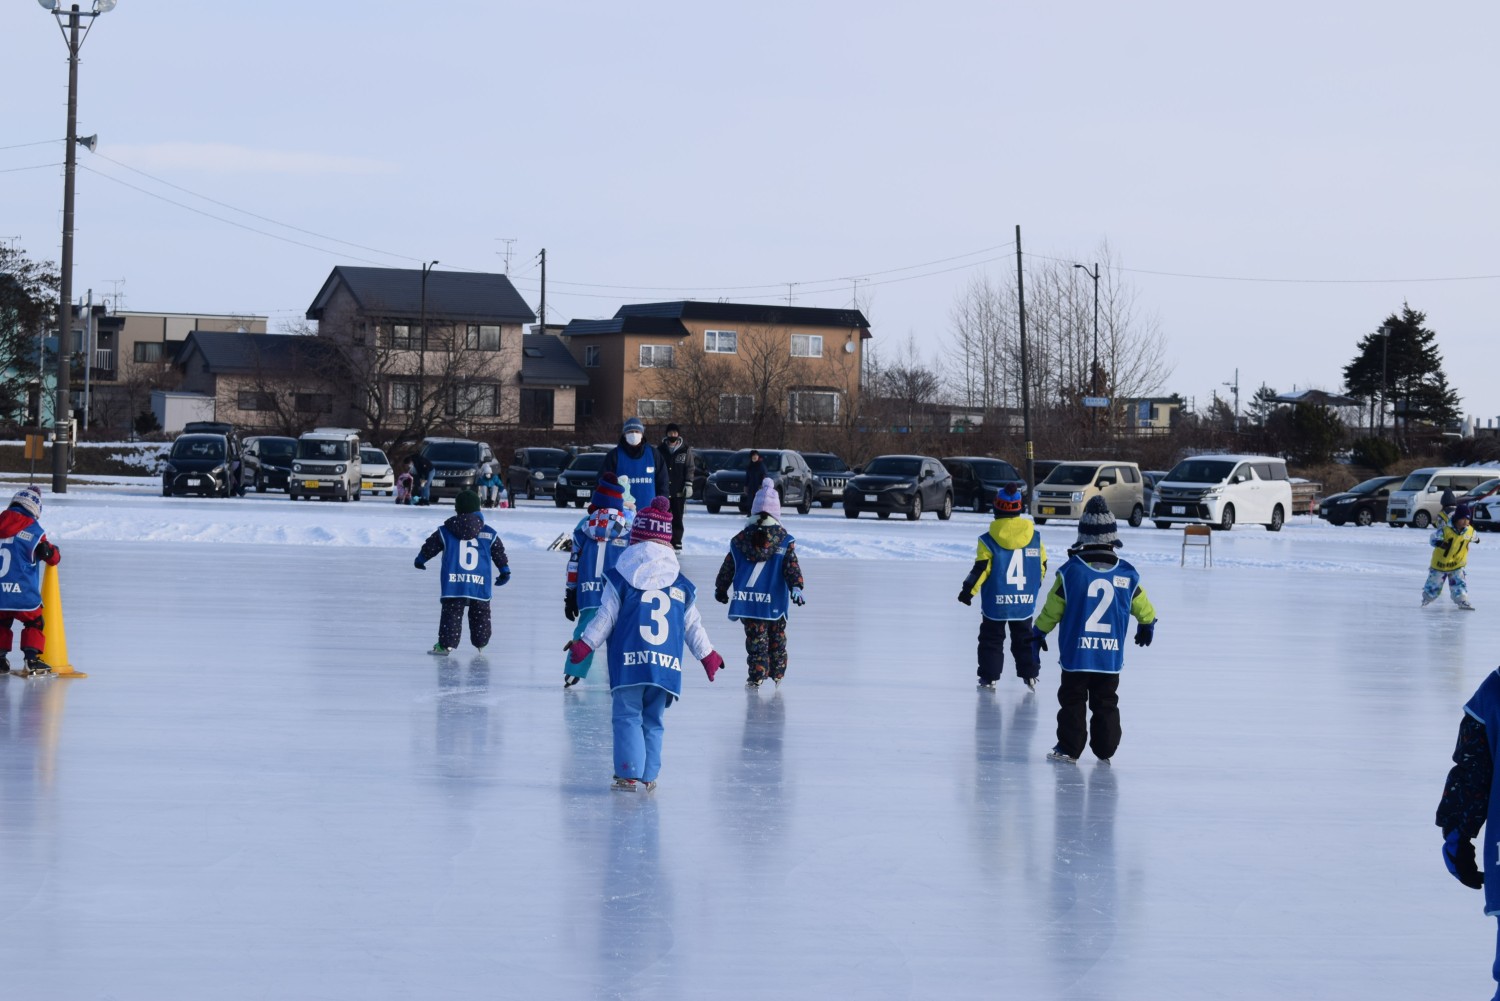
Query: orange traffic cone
[(56, 655)]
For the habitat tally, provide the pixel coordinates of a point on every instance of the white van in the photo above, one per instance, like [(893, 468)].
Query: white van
[(326, 465), (1416, 502), (1222, 490)]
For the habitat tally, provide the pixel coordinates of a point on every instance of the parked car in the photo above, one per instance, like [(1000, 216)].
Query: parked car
[(794, 481), (375, 469), (1417, 501), (977, 478), (533, 472), (1070, 486), (576, 483), (1220, 490), (1483, 492), (909, 484), (327, 464), (1149, 479), (1041, 468), (205, 462), (1363, 503), (833, 475), (706, 462), (1487, 515), (455, 464), (268, 461)]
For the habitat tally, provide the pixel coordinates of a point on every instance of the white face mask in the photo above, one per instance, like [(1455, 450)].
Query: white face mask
[(632, 437)]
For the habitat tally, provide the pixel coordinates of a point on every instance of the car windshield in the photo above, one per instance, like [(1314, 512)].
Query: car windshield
[(1071, 476), (891, 465), (322, 448), (713, 458), (825, 463), (1416, 481), (548, 457), (992, 469), (590, 462), (1370, 486), (278, 449), (1486, 488), (373, 457), (453, 451), (740, 461), (1201, 471), (198, 448)]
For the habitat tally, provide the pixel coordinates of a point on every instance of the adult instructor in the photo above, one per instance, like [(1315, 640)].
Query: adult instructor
[(641, 462), (679, 459)]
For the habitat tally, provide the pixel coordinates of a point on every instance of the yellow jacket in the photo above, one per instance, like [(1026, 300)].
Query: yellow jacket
[(1008, 533)]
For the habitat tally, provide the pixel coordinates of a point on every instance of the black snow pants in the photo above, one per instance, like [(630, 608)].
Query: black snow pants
[(450, 626), (1096, 692), (992, 649)]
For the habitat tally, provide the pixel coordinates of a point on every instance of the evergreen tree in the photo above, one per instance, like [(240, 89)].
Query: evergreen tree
[(28, 303), (1262, 405), (1400, 362)]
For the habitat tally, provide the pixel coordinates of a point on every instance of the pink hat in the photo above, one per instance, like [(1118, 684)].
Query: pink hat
[(766, 500), (653, 523)]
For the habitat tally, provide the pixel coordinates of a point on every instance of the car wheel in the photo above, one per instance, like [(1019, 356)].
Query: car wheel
[(260, 484), (1364, 517), (531, 490), (1226, 519), (1137, 515), (946, 511), (916, 508), (1043, 521), (578, 503), (358, 493), (712, 508), (557, 500), (806, 506), (980, 505), (1336, 522), (850, 512), (1278, 518), (1421, 520), (1163, 524), (882, 515)]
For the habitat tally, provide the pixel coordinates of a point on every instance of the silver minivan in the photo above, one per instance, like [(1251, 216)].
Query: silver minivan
[(327, 464), (1417, 501)]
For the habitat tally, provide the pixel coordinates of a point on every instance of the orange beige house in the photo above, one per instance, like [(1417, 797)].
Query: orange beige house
[(720, 362)]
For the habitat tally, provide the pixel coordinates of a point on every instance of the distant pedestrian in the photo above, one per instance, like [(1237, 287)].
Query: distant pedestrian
[(1007, 574), (474, 563), (755, 472), (679, 461), (424, 471), (759, 580)]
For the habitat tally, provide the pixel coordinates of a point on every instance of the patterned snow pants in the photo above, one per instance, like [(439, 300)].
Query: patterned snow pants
[(1458, 585), (451, 625), (765, 645)]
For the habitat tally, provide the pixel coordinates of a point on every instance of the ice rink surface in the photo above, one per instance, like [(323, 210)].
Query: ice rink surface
[(266, 789)]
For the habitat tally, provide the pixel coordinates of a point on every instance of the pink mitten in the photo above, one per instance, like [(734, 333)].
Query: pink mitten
[(712, 663), (577, 651)]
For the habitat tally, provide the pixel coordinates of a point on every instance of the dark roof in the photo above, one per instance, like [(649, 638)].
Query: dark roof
[(1319, 398), (236, 351), (545, 361), (748, 312), (652, 326), (451, 295)]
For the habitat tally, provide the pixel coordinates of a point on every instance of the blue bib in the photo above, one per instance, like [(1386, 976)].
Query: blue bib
[(647, 644), (759, 590), (468, 571), (641, 471), (1009, 590), (1091, 635), (594, 558), (20, 575)]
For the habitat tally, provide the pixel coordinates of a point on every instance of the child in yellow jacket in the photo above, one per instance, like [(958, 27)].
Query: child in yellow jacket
[(1450, 558), (1007, 575)]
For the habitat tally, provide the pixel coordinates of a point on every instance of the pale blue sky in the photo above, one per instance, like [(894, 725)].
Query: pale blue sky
[(698, 148)]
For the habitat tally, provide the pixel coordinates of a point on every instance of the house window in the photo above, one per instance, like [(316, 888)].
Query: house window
[(654, 410), (360, 331), (482, 400), (720, 342), (482, 337), (656, 356), (735, 409), (536, 408), (807, 345), (586, 407), (404, 396), (148, 351), (313, 403), (591, 356), (252, 400), (813, 407), (405, 336)]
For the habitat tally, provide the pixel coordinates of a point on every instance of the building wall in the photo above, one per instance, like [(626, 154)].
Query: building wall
[(161, 327)]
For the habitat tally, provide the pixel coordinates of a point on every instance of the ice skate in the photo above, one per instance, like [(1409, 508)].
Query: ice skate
[(570, 680), (626, 785), (986, 686), (1030, 684), (1057, 754), (35, 667), (645, 786), (1464, 604), (438, 650), (754, 682), (1428, 599)]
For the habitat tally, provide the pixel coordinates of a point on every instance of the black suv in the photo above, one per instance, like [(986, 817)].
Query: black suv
[(706, 462), (1363, 504), (455, 464), (795, 482), (576, 483), (205, 459), (268, 461), (833, 475), (533, 471), (910, 484), (977, 478)]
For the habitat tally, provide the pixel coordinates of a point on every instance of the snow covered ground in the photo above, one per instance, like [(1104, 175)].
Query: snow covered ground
[(266, 789)]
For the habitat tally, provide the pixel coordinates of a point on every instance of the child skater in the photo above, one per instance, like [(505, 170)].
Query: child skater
[(23, 547), (1093, 597), (1007, 574), (647, 616), (469, 548), (1451, 539), (1468, 803), (404, 484), (489, 485), (757, 579), (598, 541)]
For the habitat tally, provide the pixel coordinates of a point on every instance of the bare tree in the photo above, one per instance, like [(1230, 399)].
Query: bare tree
[(766, 374), (694, 382)]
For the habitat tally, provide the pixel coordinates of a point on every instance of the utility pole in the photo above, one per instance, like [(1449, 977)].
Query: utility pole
[(1025, 370), (88, 356), (542, 309), (1094, 364), (507, 240), (422, 356)]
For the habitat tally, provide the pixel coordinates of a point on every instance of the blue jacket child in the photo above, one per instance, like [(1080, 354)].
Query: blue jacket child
[(598, 541), (23, 548)]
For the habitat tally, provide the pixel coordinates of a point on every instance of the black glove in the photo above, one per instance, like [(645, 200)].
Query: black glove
[(1144, 632), (419, 563), (722, 597), (1038, 638), (966, 596), (45, 550), (570, 604), (1458, 854)]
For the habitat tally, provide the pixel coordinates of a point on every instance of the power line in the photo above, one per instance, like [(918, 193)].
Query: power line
[(1281, 281), (37, 166), (39, 142)]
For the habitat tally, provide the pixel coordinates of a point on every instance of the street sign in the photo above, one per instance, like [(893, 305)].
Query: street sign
[(1096, 401)]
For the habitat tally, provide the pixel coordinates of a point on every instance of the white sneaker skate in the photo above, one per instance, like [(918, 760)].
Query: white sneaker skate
[(1057, 754), (1464, 604), (1428, 600)]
